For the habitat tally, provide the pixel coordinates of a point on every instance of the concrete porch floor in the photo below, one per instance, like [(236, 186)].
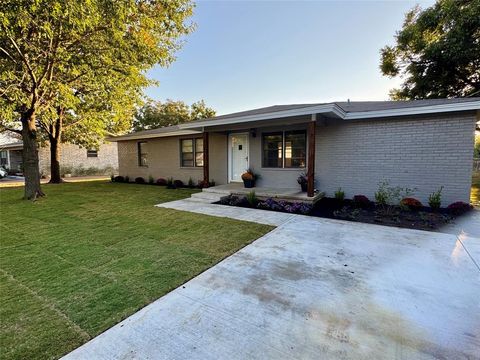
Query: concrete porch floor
[(290, 194)]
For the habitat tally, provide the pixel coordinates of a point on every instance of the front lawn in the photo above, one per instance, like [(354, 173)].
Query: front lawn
[(90, 254)]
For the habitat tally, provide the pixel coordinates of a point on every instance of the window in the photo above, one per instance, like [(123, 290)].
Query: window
[(295, 149), (3, 158), (285, 149), (273, 150), (191, 152), (142, 153), (92, 153)]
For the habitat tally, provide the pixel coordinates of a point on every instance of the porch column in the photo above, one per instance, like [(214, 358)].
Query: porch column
[(311, 156), (206, 175)]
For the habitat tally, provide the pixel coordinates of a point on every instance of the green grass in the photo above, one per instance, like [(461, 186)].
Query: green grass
[(475, 193), (90, 254)]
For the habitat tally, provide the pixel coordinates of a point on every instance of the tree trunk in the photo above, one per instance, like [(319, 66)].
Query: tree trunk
[(31, 169), (55, 138)]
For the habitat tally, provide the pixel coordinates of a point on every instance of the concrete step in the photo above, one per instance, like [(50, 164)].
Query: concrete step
[(206, 197), (214, 190)]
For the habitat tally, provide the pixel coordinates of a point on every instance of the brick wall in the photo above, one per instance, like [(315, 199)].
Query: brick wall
[(422, 152), (164, 159), (73, 156)]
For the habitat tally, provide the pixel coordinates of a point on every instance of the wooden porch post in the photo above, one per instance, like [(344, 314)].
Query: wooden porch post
[(311, 156), (206, 175)]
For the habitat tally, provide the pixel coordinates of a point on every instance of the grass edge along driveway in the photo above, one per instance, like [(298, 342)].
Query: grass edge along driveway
[(90, 254)]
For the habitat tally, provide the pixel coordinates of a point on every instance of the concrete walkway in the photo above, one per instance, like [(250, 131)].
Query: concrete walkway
[(314, 289)]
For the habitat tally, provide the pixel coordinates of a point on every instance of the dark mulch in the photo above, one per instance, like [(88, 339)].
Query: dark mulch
[(423, 218)]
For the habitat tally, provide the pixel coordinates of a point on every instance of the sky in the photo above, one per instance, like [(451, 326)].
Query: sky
[(249, 54)]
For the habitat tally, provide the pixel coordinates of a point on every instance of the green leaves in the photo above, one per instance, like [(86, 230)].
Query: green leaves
[(157, 114), (86, 57), (437, 51)]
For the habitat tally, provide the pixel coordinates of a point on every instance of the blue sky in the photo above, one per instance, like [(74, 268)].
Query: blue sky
[(248, 54)]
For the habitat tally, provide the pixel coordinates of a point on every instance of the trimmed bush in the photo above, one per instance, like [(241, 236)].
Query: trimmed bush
[(459, 208), (119, 179), (178, 184), (411, 203), (127, 179), (162, 182), (139, 180), (170, 184), (191, 183), (361, 201), (151, 180)]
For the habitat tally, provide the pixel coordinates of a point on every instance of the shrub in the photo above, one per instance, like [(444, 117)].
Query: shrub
[(162, 182), (178, 184), (361, 201), (151, 180), (459, 208), (191, 184), (411, 203), (112, 178), (127, 179), (139, 180), (389, 196), (170, 184), (435, 199), (252, 199), (119, 179), (340, 194)]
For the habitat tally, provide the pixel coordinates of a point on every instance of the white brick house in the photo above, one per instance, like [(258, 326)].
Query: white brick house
[(423, 144)]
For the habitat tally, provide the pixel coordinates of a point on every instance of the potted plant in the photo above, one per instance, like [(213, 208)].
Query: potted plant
[(249, 178), (303, 181)]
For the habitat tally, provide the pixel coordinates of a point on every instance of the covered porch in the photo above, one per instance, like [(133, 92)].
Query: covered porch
[(277, 150)]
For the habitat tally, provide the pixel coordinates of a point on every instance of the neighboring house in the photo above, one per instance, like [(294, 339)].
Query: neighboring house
[(74, 159), (421, 144)]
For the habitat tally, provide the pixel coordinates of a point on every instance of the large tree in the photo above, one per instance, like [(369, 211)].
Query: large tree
[(155, 114), (437, 52), (50, 49)]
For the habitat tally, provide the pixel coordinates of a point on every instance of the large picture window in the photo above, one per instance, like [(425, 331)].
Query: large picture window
[(286, 149), (191, 152), (142, 153)]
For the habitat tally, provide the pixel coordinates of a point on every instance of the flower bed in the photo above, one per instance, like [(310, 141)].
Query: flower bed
[(410, 214)]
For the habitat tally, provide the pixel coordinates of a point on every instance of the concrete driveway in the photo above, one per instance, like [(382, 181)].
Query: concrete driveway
[(316, 289)]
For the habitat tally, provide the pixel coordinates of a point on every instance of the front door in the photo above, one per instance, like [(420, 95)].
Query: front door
[(238, 156)]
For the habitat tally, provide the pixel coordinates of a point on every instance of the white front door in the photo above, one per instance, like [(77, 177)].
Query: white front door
[(238, 156)]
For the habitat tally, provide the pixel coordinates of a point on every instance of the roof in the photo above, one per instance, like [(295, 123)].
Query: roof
[(10, 142), (347, 110)]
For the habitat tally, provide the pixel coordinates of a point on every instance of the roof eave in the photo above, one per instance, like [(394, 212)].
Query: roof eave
[(431, 109), (318, 109)]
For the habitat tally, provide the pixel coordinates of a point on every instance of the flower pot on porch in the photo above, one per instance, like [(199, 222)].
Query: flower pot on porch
[(249, 183), (304, 187)]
